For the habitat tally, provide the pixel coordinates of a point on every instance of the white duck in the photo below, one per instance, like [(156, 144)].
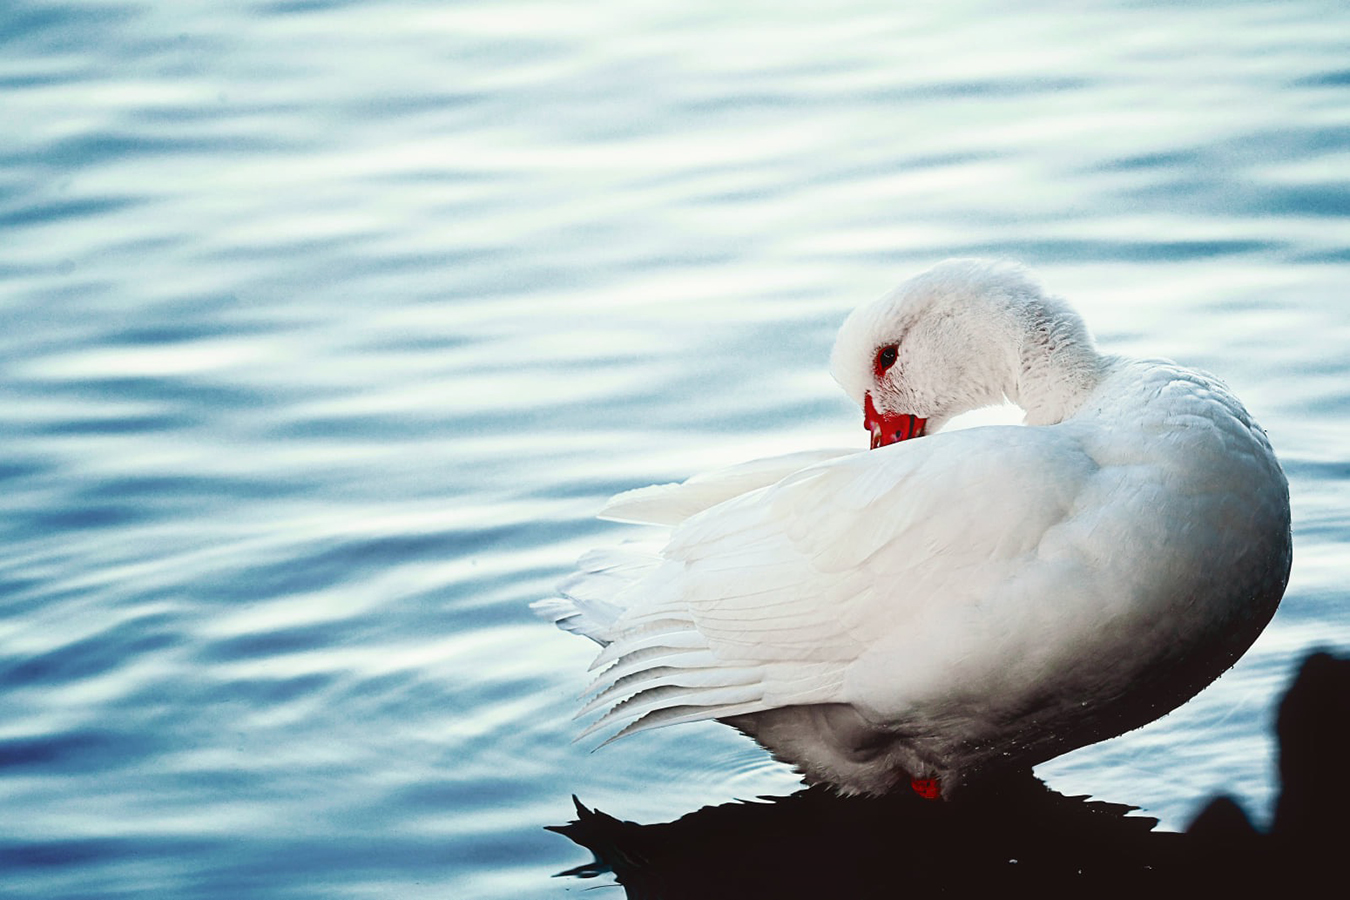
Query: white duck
[(937, 610)]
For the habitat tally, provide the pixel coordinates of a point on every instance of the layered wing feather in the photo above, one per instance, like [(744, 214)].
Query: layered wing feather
[(780, 595), (670, 504)]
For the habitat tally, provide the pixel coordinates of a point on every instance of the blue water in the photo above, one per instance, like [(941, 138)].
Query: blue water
[(326, 327)]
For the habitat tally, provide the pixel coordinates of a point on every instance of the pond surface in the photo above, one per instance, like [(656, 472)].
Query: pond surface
[(326, 328)]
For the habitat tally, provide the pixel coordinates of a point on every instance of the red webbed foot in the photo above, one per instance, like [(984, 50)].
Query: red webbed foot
[(927, 788)]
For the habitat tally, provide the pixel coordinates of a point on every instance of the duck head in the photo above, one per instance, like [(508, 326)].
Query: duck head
[(964, 335)]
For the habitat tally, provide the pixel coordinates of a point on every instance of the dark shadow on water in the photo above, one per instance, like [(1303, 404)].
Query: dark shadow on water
[(1016, 834)]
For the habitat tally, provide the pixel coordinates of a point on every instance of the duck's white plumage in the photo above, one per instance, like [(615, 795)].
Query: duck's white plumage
[(949, 607)]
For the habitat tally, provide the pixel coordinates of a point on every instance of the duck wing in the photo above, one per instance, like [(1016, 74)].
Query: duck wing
[(670, 504), (783, 594)]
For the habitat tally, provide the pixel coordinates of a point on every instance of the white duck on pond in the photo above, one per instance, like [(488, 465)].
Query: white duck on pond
[(934, 611)]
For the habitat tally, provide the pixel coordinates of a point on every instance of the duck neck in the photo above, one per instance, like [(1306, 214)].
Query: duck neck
[(1058, 366)]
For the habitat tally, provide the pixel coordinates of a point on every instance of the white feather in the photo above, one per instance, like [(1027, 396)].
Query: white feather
[(671, 504)]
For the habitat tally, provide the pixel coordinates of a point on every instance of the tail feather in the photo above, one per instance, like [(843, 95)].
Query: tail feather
[(667, 676), (677, 715), (589, 600), (656, 661), (587, 619), (652, 657), (678, 637), (713, 701)]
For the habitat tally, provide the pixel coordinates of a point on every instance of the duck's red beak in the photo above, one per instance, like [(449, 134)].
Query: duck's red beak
[(888, 428)]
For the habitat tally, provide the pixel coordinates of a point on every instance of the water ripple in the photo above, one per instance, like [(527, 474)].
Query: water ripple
[(327, 328)]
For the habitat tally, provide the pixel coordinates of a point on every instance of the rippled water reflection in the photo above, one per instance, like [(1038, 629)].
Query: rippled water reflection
[(326, 327)]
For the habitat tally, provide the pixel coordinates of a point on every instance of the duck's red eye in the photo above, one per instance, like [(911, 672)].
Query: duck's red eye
[(885, 359)]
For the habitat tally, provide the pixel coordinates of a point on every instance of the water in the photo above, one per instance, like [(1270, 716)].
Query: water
[(326, 328)]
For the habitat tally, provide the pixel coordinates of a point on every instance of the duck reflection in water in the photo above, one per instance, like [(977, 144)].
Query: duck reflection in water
[(1015, 833)]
